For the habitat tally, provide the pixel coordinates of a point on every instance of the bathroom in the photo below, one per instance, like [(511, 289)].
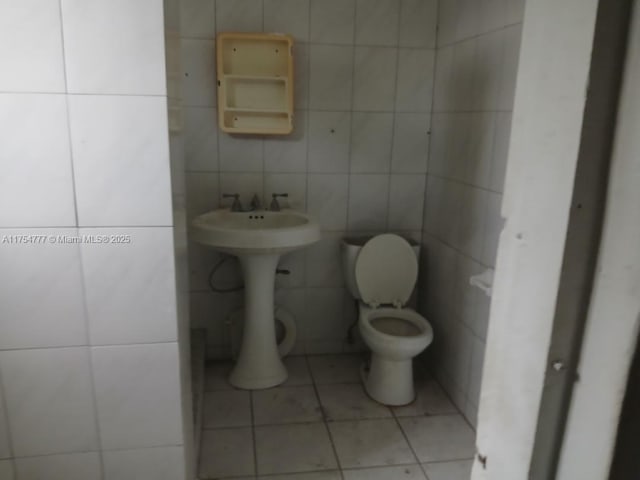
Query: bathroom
[(401, 123)]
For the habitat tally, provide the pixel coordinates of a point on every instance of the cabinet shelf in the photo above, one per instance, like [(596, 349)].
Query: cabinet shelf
[(255, 83)]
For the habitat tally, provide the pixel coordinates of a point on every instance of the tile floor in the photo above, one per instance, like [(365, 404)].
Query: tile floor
[(320, 425)]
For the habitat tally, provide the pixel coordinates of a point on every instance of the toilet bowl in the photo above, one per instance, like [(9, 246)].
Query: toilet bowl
[(382, 273)]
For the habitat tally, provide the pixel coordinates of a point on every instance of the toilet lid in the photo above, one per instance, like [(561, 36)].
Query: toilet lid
[(386, 271)]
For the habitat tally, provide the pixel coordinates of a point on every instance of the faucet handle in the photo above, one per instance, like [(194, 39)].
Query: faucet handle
[(275, 206), (236, 206)]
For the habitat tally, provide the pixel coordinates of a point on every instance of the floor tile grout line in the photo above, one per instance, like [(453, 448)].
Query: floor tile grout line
[(324, 418), (253, 434)]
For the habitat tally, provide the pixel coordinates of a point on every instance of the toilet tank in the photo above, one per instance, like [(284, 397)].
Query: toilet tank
[(350, 248)]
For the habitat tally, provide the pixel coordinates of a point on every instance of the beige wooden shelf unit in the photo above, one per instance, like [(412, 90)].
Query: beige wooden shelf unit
[(255, 83)]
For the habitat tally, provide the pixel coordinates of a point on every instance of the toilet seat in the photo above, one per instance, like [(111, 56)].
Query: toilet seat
[(386, 271)]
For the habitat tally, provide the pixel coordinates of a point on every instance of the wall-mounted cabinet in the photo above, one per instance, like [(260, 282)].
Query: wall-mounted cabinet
[(255, 83)]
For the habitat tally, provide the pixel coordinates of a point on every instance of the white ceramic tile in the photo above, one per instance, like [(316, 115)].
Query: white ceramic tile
[(227, 408), (6, 470), (442, 137), (36, 186), (370, 443), (31, 47), (418, 19), (330, 77), (298, 371), (198, 79), (488, 70), (368, 202), (447, 21), (406, 198), (294, 448), (467, 25), (329, 475), (293, 262), (415, 80), (245, 184), (500, 151), (130, 285), (75, 466), (120, 149), (97, 63), (163, 463), (371, 137), (198, 18), (332, 21), (226, 453), (493, 15), (463, 78), (349, 402), (514, 11), (444, 95), (138, 395), (287, 16), (480, 149), (493, 227), (301, 76), (430, 400), (374, 78), (201, 139), (405, 472), (240, 154), (239, 15), (475, 375), (410, 143), (444, 437), (327, 197), (286, 405), (324, 267), (324, 319), (202, 192), (327, 369), (457, 470), (49, 400), (471, 223), (46, 279), (288, 153), (329, 134), (293, 184), (510, 67), (442, 209), (466, 297), (5, 449), (377, 22)]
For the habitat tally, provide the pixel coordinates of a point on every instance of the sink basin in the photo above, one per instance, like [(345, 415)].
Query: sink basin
[(259, 231), (258, 239)]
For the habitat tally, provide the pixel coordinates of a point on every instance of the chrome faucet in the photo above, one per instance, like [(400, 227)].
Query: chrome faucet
[(275, 206), (255, 202), (236, 206)]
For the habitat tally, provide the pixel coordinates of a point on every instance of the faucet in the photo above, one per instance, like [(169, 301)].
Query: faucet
[(275, 206), (236, 206), (255, 202)]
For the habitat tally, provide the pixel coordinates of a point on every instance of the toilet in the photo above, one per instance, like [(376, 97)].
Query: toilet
[(381, 273)]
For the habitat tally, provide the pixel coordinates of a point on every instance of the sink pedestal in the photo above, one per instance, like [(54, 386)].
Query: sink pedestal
[(259, 365)]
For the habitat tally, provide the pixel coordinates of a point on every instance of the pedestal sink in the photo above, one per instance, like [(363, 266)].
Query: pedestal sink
[(258, 239)]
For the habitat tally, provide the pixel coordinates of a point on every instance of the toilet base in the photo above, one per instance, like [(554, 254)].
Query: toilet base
[(390, 382)]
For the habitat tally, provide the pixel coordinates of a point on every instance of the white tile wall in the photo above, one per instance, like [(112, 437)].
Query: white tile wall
[(73, 466), (114, 47), (31, 47), (120, 150), (42, 303), (49, 400), (84, 110), (129, 286), (356, 160), (137, 395), (160, 463), (36, 184), (476, 66)]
